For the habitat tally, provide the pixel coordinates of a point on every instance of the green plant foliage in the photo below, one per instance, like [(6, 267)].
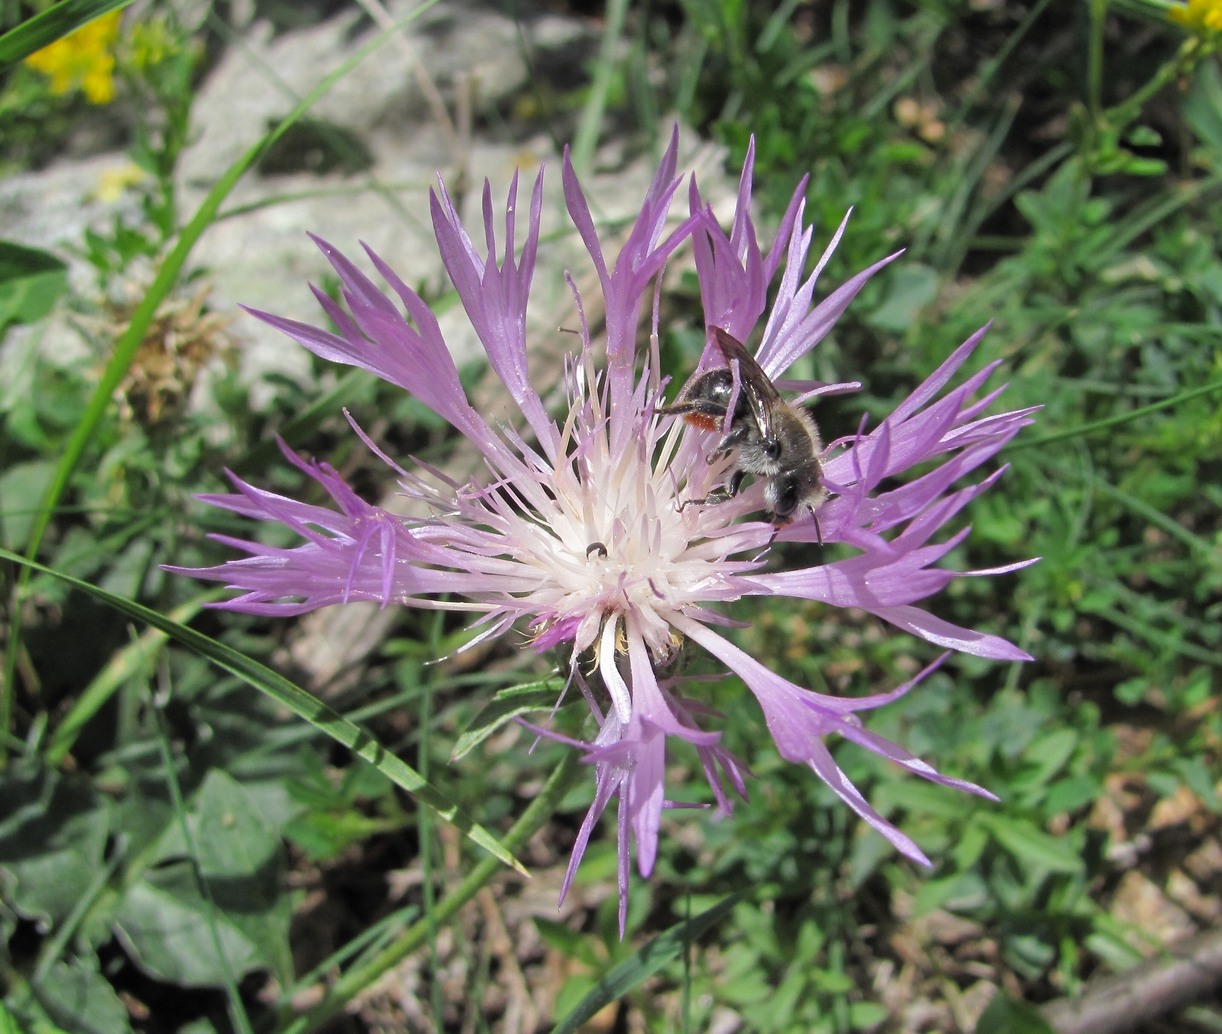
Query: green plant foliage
[(72, 997), (332, 815), (179, 824), (52, 841), (30, 283), (507, 706), (628, 974)]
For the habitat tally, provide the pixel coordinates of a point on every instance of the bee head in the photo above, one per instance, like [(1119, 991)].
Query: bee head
[(789, 491)]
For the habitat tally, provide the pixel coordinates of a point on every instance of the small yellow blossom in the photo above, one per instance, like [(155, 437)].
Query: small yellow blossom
[(1203, 16), (115, 182), (82, 60)]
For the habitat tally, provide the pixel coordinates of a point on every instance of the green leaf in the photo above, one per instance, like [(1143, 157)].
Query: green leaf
[(54, 23), (30, 282), (1033, 846), (237, 884), (1199, 776), (574, 944), (301, 703), (21, 481), (646, 962), (53, 834), (1049, 754), (910, 288), (1135, 165), (1006, 1016), (1070, 794), (867, 1015), (507, 705), (1203, 107), (78, 998), (173, 933), (325, 835), (8, 1022)]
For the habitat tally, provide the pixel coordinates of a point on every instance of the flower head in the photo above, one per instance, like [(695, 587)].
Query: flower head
[(82, 60), (583, 529), (1202, 16)]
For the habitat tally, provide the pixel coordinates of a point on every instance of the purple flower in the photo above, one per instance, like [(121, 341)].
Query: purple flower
[(577, 531)]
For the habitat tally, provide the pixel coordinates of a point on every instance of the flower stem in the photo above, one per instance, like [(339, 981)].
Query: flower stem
[(1082, 430)]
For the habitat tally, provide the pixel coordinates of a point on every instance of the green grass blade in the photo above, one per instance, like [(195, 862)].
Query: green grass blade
[(645, 963), (369, 970), (1095, 426), (52, 24), (301, 703), (585, 140), (118, 670), (237, 1010)]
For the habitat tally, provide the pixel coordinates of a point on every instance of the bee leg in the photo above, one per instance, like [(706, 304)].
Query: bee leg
[(718, 495), (782, 522), (728, 444), (700, 407), (818, 531)]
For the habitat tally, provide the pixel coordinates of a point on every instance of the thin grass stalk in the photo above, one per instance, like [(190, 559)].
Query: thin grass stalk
[(366, 973)]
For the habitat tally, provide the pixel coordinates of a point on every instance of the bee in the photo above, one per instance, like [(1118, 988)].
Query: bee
[(768, 437)]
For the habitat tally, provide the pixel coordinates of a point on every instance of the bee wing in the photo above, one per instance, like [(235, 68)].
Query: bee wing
[(760, 391)]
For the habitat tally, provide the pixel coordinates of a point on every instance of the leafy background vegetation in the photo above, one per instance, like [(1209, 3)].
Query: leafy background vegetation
[(181, 852)]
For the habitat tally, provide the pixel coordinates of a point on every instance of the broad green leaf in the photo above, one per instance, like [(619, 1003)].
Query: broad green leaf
[(1004, 1015), (78, 998), (53, 831), (912, 286), (301, 703), (173, 933), (228, 837), (1203, 107), (507, 705), (21, 486), (30, 282), (832, 981), (8, 1022), (1200, 776), (1071, 794), (867, 1015), (238, 854), (646, 962), (572, 991)]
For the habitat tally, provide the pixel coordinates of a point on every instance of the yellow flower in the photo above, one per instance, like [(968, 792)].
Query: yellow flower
[(82, 60), (1203, 16), (113, 183)]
